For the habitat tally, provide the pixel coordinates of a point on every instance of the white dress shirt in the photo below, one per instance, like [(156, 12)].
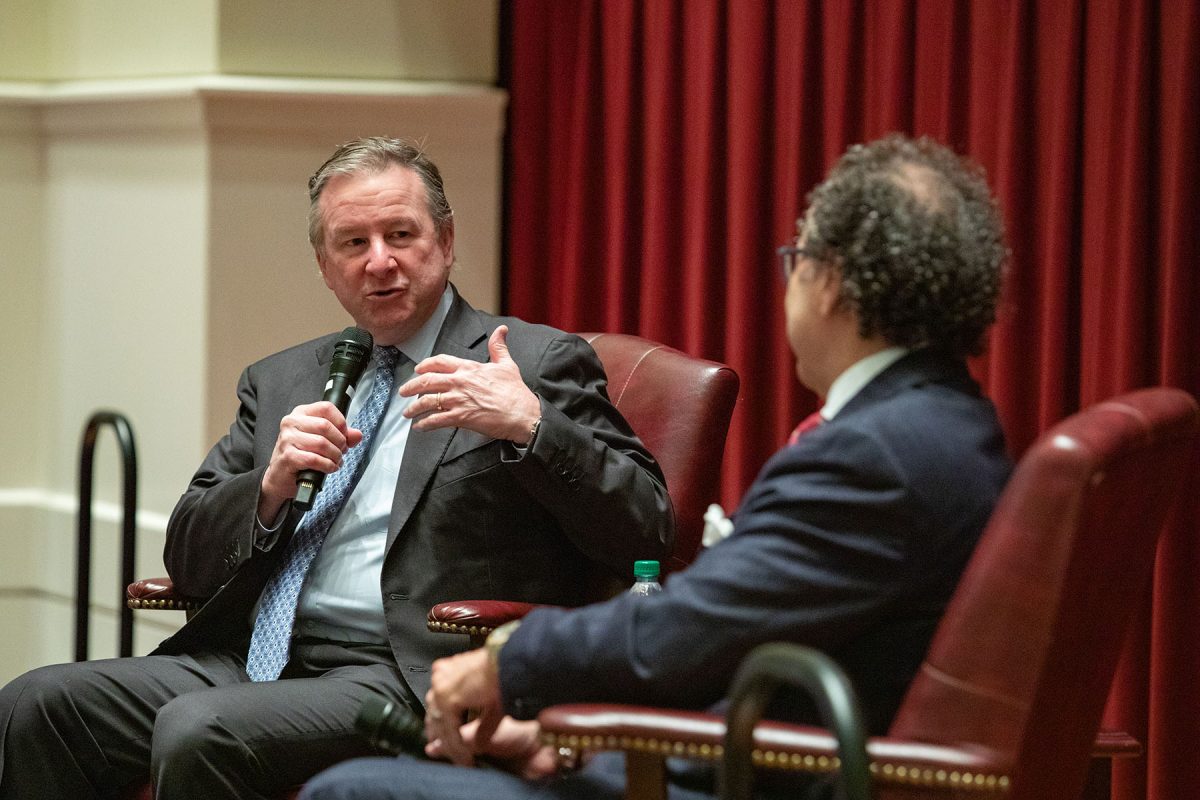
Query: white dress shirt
[(856, 376)]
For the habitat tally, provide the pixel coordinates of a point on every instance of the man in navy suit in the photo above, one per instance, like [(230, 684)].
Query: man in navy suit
[(852, 538)]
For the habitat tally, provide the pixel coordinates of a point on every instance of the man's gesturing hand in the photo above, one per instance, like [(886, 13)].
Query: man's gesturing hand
[(313, 436), (487, 398)]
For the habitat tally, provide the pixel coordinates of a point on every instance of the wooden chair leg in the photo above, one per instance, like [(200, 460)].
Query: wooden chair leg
[(645, 777)]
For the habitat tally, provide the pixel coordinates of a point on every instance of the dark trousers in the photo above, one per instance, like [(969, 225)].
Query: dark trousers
[(194, 722), (409, 778)]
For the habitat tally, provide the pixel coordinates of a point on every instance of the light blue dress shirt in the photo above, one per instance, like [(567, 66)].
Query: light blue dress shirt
[(341, 599)]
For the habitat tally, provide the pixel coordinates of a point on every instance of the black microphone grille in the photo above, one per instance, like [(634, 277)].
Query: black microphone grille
[(352, 351), (389, 727), (358, 336)]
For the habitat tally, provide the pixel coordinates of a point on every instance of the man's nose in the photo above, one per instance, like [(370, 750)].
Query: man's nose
[(380, 257)]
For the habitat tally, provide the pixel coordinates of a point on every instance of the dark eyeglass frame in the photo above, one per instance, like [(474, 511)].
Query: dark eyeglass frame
[(789, 257)]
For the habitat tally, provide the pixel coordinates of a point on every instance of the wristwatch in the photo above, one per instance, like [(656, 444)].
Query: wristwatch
[(497, 639)]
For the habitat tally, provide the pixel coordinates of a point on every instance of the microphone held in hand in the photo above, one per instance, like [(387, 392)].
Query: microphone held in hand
[(350, 357), (390, 727)]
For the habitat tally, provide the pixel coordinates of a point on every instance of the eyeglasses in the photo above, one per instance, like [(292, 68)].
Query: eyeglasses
[(789, 256)]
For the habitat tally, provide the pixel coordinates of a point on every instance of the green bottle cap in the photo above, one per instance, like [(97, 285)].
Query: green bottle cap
[(645, 569)]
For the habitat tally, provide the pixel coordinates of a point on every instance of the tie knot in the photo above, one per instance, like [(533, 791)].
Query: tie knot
[(386, 357)]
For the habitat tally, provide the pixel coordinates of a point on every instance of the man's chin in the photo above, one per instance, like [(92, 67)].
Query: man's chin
[(389, 333)]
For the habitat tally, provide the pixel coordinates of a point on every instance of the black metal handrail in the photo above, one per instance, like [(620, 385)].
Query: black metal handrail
[(83, 564), (768, 667)]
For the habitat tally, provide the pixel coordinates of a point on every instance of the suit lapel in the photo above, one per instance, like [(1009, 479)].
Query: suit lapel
[(320, 375), (464, 336)]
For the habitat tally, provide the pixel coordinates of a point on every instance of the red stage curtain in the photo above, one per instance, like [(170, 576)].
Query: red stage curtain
[(658, 151)]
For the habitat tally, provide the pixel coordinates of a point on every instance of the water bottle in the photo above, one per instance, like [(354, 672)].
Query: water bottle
[(645, 578)]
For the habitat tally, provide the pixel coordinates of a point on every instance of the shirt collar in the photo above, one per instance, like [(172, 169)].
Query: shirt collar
[(857, 375)]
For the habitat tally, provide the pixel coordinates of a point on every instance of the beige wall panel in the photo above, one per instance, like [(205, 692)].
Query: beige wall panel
[(37, 582), (27, 644), (91, 39), (24, 40), (126, 206), (27, 400), (409, 39), (102, 39), (41, 629)]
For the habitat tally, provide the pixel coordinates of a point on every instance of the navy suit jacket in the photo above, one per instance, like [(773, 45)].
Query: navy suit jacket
[(470, 519), (851, 540)]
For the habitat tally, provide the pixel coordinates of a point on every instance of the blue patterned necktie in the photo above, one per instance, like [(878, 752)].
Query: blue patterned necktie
[(272, 638)]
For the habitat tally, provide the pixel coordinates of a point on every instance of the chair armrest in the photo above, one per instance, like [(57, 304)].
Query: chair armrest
[(477, 618), (1116, 744), (158, 594), (783, 746), (777, 745)]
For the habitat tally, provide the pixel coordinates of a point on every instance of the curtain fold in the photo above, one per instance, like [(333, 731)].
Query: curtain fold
[(659, 150)]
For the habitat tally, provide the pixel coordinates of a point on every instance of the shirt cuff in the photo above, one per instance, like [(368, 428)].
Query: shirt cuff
[(264, 537)]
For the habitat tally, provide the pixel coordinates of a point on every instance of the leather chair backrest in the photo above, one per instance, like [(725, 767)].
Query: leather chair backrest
[(680, 407), (1023, 659)]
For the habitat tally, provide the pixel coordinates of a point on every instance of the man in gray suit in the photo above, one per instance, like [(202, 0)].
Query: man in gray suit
[(495, 468)]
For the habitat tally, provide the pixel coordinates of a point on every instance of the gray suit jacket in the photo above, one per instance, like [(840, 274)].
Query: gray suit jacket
[(471, 518)]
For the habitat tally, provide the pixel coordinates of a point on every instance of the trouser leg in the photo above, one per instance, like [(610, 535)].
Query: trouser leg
[(255, 739), (84, 730), (408, 778)]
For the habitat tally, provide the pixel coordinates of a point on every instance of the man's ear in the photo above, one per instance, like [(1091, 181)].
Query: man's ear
[(319, 252), (446, 241), (828, 286)]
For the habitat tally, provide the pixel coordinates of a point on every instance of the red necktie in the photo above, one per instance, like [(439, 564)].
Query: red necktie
[(807, 424)]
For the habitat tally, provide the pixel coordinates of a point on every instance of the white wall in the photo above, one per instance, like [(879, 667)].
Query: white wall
[(360, 39), (392, 39), (153, 242), (22, 298)]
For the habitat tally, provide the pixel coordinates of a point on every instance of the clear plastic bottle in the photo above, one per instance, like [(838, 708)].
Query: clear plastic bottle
[(645, 578)]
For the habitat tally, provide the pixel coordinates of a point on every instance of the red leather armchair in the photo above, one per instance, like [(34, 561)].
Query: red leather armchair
[(680, 407), (1009, 698)]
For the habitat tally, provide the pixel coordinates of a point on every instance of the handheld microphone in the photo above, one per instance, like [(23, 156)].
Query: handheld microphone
[(389, 727), (350, 357)]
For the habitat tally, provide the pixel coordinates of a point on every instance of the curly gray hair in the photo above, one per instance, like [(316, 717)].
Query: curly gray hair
[(373, 155), (919, 241)]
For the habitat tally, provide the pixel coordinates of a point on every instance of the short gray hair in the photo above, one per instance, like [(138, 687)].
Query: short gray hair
[(373, 155)]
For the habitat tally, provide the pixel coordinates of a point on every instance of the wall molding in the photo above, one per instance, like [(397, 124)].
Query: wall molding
[(457, 112), (152, 88), (61, 502)]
